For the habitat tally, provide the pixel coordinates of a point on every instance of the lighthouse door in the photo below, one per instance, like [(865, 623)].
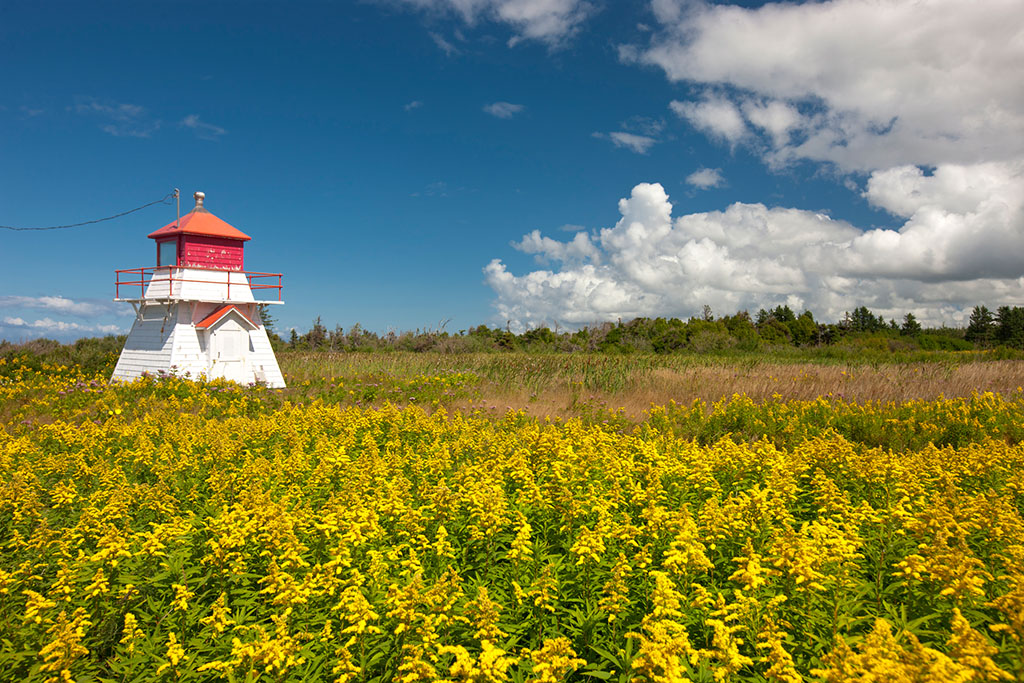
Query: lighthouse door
[(229, 344)]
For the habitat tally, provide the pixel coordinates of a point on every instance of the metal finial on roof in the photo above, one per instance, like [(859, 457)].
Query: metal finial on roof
[(200, 196)]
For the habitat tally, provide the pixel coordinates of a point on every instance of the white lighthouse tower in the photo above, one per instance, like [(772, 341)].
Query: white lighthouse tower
[(195, 312)]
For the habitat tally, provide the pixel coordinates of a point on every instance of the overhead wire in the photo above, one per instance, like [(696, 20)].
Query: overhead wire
[(166, 199)]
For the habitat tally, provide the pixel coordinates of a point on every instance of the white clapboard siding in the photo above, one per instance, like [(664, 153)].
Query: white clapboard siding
[(187, 357), (262, 359), (149, 344), (164, 338)]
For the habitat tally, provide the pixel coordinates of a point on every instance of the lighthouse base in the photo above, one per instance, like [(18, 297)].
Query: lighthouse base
[(199, 340)]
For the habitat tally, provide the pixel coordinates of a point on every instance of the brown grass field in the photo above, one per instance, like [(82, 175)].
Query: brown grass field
[(566, 385)]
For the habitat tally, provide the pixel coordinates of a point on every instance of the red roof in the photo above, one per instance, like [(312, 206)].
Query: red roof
[(220, 313), (200, 222)]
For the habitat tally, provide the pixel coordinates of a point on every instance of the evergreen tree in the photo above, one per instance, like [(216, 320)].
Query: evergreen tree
[(863, 320), (269, 325), (981, 327), (317, 336), (266, 318), (1010, 330), (910, 325), (784, 314)]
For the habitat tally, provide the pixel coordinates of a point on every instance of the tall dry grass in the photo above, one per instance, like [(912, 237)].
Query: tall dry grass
[(566, 385), (768, 381)]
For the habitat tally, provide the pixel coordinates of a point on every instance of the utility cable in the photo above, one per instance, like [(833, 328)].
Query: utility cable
[(166, 199)]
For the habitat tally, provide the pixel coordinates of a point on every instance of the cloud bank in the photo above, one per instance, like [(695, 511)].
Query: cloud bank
[(857, 83), (93, 317), (57, 304), (917, 96), (51, 326), (959, 247)]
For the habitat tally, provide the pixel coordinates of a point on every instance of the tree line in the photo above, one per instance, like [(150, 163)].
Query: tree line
[(775, 327)]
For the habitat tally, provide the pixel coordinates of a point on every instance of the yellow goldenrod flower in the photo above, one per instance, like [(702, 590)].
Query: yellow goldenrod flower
[(174, 654), (484, 613), (220, 615), (181, 597), (554, 660), (34, 606), (65, 645), (131, 633)]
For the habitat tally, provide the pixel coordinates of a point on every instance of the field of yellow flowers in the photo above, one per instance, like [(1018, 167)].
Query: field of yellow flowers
[(175, 531)]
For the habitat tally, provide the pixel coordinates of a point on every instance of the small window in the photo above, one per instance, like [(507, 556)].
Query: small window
[(167, 253)]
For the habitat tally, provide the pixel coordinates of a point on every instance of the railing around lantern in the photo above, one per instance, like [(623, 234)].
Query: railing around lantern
[(157, 275)]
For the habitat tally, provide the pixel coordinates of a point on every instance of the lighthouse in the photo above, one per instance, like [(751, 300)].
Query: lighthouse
[(196, 314)]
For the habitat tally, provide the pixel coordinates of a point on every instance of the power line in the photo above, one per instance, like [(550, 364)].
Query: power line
[(166, 199)]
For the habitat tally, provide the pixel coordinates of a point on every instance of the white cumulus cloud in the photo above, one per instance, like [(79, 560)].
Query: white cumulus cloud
[(579, 248), (714, 115), (705, 178), (775, 118), (859, 83), (920, 97), (963, 221), (954, 251)]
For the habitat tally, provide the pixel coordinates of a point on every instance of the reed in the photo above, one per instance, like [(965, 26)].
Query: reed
[(567, 385)]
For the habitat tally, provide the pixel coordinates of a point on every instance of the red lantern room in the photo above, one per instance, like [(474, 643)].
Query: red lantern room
[(200, 240)]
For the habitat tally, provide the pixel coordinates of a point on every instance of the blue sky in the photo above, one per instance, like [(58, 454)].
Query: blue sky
[(409, 162)]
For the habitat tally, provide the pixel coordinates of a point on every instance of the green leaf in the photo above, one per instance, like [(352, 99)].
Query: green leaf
[(603, 675), (608, 656)]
